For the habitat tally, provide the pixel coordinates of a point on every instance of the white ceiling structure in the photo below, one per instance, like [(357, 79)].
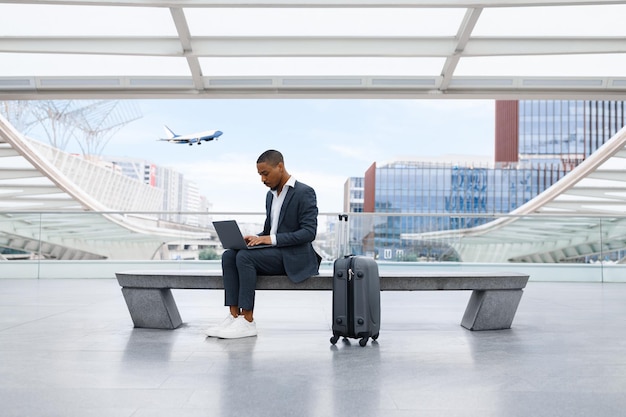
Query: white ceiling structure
[(312, 48)]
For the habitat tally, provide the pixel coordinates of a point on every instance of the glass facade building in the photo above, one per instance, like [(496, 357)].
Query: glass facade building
[(414, 187), (537, 143), (443, 197), (565, 132), (353, 190)]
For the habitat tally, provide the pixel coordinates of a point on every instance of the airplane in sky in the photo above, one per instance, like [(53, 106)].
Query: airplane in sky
[(192, 138)]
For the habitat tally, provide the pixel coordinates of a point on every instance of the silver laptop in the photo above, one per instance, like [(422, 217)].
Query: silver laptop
[(230, 235)]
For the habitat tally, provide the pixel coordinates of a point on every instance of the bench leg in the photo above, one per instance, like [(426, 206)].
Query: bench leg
[(152, 308), (491, 310)]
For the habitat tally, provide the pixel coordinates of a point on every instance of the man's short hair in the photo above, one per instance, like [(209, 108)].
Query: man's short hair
[(270, 157)]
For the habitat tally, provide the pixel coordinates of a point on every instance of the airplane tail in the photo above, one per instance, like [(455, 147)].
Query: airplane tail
[(168, 133)]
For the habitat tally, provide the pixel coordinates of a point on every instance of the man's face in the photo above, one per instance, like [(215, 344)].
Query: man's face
[(271, 176)]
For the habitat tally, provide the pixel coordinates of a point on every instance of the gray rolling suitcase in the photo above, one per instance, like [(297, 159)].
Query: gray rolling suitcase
[(356, 298)]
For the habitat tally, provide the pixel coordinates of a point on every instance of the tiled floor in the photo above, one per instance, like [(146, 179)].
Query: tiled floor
[(68, 348)]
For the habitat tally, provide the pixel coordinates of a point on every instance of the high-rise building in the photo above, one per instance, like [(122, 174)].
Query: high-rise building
[(135, 168), (353, 203), (558, 133), (353, 195), (181, 197)]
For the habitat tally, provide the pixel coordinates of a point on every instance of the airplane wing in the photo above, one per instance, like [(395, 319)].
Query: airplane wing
[(180, 140), (191, 139)]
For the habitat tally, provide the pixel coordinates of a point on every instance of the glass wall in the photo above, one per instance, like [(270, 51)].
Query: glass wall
[(393, 237)]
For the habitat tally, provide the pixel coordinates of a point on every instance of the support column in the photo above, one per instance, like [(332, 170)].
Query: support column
[(491, 310), (152, 308)]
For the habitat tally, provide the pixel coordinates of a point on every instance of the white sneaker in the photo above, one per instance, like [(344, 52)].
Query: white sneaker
[(214, 330), (240, 327)]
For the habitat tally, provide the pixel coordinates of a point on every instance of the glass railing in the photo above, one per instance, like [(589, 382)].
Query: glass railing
[(43, 244)]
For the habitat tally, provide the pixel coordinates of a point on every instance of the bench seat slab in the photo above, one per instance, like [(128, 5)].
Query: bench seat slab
[(152, 308), (491, 310), (492, 305)]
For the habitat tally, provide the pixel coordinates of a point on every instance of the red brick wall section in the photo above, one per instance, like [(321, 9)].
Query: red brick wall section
[(507, 131), (369, 189)]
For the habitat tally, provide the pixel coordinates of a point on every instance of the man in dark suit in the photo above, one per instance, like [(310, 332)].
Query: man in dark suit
[(290, 227)]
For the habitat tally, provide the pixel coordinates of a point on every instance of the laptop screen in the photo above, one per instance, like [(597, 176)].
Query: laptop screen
[(230, 235)]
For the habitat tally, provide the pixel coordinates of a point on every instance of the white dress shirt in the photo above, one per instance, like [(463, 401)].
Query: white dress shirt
[(277, 204)]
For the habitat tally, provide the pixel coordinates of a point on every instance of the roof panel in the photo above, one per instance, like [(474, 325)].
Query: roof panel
[(62, 20), (323, 22), (62, 65), (321, 66), (596, 65), (605, 20)]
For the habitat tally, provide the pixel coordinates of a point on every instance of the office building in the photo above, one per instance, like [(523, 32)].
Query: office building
[(554, 134), (181, 197), (537, 143)]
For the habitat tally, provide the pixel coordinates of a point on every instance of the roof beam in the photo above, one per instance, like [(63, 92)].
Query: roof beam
[(313, 46), (184, 35), (319, 3), (249, 88), (547, 45), (462, 38), (91, 45)]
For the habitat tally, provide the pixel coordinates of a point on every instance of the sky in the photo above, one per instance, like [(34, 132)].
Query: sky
[(323, 141)]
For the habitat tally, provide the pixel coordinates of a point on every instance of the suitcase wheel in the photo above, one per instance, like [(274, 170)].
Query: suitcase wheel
[(375, 337), (334, 339), (363, 341)]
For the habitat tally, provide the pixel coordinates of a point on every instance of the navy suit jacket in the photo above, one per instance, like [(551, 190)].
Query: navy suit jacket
[(297, 227)]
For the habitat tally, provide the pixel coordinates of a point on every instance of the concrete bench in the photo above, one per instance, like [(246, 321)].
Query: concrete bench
[(492, 305)]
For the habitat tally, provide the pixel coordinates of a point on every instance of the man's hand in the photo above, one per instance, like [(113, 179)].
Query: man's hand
[(258, 240)]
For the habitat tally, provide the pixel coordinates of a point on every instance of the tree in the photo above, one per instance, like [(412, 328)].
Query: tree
[(208, 255)]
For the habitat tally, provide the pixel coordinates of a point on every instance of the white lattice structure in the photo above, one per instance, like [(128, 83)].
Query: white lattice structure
[(113, 190)]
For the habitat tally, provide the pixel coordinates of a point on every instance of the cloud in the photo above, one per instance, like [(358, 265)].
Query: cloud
[(362, 154), (231, 184), (328, 189)]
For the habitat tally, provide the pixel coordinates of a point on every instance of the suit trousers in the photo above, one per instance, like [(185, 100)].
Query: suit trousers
[(240, 269)]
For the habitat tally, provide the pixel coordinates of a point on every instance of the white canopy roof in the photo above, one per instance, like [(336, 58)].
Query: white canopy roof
[(312, 48)]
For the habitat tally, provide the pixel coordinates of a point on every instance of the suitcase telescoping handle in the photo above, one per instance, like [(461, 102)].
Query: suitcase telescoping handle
[(344, 236)]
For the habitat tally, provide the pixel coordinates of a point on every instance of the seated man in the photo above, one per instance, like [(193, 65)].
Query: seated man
[(290, 227)]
